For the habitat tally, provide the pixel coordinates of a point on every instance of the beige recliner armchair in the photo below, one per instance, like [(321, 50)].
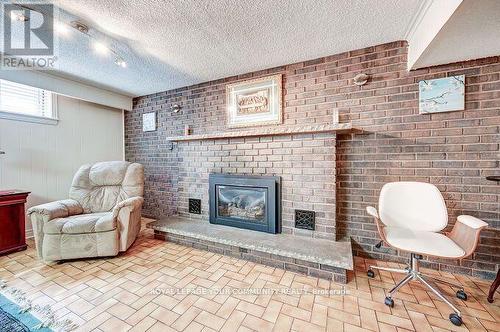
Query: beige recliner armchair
[(101, 217)]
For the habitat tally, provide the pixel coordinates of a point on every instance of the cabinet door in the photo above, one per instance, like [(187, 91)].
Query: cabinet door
[(10, 229)]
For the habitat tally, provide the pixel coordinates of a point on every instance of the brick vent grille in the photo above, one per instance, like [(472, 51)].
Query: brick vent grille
[(305, 219), (195, 206)]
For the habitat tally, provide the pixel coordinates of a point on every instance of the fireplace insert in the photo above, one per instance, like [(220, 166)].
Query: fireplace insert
[(250, 202)]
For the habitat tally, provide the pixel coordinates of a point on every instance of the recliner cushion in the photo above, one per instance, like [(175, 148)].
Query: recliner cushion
[(109, 173), (422, 242), (99, 187), (81, 224)]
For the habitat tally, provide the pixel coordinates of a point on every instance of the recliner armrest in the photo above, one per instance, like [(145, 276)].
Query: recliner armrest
[(58, 209), (132, 203), (128, 218)]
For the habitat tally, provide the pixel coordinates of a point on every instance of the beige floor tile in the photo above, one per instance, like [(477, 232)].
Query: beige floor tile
[(114, 324), (227, 308), (116, 294), (210, 320), (141, 313), (186, 318), (120, 310), (296, 312), (164, 315), (234, 321), (250, 308), (300, 325), (160, 327), (257, 324), (143, 325), (368, 319), (283, 323), (272, 311)]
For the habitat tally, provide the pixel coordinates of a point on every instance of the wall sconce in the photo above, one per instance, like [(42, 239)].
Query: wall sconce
[(360, 79), (176, 108)]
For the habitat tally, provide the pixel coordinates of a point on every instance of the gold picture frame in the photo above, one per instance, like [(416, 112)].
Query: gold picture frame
[(255, 102)]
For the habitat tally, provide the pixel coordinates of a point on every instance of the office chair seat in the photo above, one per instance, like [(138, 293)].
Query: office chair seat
[(422, 242)]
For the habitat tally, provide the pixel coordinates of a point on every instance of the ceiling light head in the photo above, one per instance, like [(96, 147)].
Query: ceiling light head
[(17, 15), (61, 28), (120, 63), (100, 48), (83, 28)]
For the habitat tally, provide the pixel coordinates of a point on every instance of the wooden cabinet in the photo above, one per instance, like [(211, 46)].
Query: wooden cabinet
[(12, 221)]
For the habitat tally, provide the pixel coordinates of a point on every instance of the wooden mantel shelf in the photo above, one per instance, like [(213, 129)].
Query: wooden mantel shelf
[(341, 128)]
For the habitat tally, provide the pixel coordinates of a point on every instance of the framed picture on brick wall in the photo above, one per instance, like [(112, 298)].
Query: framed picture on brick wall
[(255, 102), (149, 121), (442, 94)]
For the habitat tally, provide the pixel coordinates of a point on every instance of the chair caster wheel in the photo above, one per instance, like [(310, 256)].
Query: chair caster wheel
[(389, 302), (462, 295), (370, 274), (456, 319)]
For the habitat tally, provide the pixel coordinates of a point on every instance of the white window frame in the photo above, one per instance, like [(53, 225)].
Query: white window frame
[(34, 118)]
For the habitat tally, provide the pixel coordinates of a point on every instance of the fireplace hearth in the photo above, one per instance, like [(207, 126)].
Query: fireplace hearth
[(250, 202)]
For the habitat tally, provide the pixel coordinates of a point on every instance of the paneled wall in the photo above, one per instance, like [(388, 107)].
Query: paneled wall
[(454, 150), (43, 158)]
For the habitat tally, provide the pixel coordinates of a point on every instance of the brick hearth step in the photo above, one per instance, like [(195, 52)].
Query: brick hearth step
[(315, 257)]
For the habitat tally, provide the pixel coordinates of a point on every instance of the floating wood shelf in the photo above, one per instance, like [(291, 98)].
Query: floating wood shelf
[(341, 128)]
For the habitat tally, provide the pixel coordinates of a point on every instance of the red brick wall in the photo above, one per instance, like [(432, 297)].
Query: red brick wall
[(454, 150)]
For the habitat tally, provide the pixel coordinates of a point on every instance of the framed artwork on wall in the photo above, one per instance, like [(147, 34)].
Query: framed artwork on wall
[(442, 94), (149, 121), (255, 102)]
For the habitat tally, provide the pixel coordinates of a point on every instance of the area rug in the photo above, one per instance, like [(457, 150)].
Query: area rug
[(19, 314), (13, 320)]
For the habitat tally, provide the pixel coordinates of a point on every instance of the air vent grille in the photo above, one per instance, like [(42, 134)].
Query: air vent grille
[(305, 219)]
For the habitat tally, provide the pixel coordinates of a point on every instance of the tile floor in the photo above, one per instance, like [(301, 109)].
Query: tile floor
[(145, 290)]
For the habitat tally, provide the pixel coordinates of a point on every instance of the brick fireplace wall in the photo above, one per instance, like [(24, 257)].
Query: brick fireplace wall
[(305, 163), (454, 150)]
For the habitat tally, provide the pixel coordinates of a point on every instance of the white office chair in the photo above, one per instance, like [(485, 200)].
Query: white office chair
[(410, 217)]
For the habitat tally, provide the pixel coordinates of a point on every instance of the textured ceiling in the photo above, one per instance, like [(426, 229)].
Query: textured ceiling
[(170, 44), (471, 33)]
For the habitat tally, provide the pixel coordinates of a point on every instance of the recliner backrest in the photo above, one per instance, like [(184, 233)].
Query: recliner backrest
[(412, 205), (99, 187)]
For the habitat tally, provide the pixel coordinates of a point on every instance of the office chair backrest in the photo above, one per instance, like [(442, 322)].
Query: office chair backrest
[(412, 205)]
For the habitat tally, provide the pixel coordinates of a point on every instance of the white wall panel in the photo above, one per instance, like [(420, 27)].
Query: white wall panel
[(43, 158)]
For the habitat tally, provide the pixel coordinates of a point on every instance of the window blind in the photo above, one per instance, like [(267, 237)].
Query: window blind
[(23, 99)]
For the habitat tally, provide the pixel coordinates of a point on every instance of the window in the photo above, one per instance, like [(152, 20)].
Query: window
[(26, 103)]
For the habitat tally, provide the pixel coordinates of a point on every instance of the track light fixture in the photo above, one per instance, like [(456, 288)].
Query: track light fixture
[(98, 46), (120, 62), (62, 28)]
